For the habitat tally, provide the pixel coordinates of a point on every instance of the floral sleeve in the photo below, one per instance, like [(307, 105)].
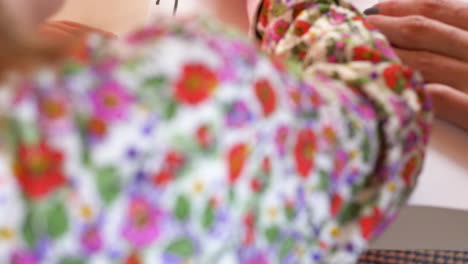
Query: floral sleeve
[(330, 40), (184, 144)]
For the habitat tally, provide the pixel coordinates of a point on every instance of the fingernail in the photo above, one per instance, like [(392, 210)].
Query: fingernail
[(372, 11)]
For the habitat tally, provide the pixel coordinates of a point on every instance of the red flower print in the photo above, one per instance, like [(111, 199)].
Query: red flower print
[(396, 77), (330, 134), (174, 159), (279, 61), (38, 169), (263, 16), (249, 223), (304, 152), (196, 84), (266, 95), (133, 259), (204, 137), (266, 165), (315, 99), (213, 202), (295, 97), (53, 109), (336, 203), (323, 245), (163, 177), (172, 163), (80, 51), (364, 22), (256, 185), (97, 127), (279, 29), (301, 27), (409, 171), (366, 53), (281, 138), (370, 223), (237, 157), (297, 9)]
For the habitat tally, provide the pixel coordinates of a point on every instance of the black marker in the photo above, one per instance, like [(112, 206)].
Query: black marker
[(176, 4)]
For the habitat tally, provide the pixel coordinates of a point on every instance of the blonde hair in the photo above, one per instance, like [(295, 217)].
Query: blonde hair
[(21, 50)]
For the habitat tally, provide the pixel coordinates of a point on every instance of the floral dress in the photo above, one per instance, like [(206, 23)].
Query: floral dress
[(185, 144)]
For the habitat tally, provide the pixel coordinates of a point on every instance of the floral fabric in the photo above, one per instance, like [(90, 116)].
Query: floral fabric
[(184, 144)]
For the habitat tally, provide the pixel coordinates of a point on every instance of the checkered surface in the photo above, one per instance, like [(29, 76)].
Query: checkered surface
[(414, 257)]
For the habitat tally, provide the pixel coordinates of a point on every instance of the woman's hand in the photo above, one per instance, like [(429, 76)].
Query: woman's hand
[(432, 36), (68, 31)]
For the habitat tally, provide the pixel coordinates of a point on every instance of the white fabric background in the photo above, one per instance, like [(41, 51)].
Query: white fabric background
[(444, 182)]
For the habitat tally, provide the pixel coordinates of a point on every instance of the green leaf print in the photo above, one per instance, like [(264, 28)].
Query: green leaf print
[(278, 9), (71, 68), (290, 212), (294, 67), (57, 220), (154, 82), (82, 129), (232, 195), (324, 8), (182, 208), (349, 212), (400, 85), (208, 217), (272, 234), (366, 149), (324, 182), (108, 183), (286, 247), (29, 232), (182, 248), (171, 110), (72, 261)]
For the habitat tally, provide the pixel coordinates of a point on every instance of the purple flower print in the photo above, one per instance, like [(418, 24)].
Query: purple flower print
[(54, 114), (239, 115), (411, 142), (107, 66), (142, 225), (24, 257), (257, 259), (111, 101), (279, 29), (281, 138), (252, 256), (332, 58), (366, 112), (340, 45), (337, 18), (91, 240), (385, 49)]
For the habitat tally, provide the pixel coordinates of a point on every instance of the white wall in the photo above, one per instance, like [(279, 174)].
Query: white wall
[(117, 16)]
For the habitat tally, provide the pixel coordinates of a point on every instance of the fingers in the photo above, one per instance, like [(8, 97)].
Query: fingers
[(53, 32), (423, 34), (452, 12), (449, 104), (85, 28), (65, 30), (437, 68)]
